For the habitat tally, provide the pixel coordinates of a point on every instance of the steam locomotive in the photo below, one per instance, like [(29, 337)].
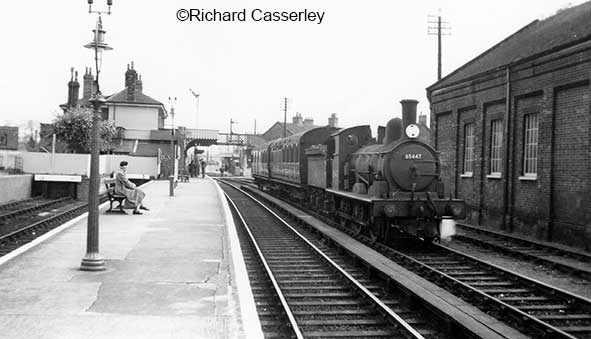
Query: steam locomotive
[(385, 189)]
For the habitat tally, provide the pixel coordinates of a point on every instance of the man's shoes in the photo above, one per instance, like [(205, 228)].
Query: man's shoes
[(137, 212), (144, 208)]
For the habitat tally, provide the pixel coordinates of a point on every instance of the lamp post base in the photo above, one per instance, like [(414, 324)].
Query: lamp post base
[(92, 262)]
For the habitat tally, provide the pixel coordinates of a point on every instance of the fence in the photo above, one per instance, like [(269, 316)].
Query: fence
[(11, 162), (79, 164)]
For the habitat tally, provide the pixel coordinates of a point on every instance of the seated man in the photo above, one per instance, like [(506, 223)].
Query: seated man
[(133, 196)]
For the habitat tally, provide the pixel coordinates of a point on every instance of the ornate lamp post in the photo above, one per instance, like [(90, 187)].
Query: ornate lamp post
[(92, 260)]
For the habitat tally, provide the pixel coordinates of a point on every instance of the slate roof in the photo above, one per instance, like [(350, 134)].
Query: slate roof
[(290, 127), (139, 98), (567, 27)]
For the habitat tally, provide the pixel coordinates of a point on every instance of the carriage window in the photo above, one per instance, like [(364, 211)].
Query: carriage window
[(468, 148), (530, 146)]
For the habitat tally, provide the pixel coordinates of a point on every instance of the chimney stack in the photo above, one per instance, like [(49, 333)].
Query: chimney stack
[(297, 119), (88, 87), (130, 82), (423, 119), (139, 86), (333, 121), (308, 122), (73, 88), (409, 112)]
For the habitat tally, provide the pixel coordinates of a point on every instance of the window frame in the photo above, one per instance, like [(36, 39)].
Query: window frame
[(496, 148), (468, 159), (529, 168)]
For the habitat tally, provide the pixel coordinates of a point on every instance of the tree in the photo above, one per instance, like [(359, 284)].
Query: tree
[(74, 128)]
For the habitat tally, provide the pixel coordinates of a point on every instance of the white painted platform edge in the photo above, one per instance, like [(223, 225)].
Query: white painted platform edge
[(46, 236), (250, 319), (51, 233)]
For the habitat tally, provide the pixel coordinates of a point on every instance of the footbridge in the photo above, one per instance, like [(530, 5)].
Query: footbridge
[(209, 137)]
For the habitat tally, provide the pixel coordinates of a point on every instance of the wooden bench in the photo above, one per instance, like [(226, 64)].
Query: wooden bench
[(184, 177), (110, 185)]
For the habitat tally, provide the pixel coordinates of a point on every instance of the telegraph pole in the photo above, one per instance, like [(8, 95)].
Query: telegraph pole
[(284, 108), (438, 27)]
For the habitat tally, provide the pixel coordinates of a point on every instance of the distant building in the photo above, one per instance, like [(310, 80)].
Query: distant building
[(513, 129), (8, 138), (298, 125), (424, 130), (139, 118)]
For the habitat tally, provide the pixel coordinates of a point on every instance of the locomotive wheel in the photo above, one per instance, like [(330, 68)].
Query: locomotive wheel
[(356, 228), (377, 232), (373, 236)]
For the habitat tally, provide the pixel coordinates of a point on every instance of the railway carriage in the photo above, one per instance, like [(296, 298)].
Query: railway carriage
[(386, 188), (282, 164)]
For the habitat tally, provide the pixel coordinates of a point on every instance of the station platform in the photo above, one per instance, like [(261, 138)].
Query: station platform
[(174, 272)]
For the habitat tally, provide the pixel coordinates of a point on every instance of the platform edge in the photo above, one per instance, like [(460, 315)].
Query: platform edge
[(250, 321)]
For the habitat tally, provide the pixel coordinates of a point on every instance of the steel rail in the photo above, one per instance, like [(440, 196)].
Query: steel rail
[(537, 245), (286, 308), (41, 223), (547, 327), (26, 210), (547, 288), (18, 202), (508, 250), (398, 320)]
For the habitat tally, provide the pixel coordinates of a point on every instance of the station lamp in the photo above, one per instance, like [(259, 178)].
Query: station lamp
[(92, 260)]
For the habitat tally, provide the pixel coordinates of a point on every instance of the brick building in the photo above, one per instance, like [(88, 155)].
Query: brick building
[(139, 118), (298, 125), (8, 138), (513, 129)]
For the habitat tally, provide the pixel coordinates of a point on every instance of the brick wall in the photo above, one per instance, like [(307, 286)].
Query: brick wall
[(530, 207), (551, 207), (467, 184), (571, 195), (492, 199), (15, 187), (445, 135)]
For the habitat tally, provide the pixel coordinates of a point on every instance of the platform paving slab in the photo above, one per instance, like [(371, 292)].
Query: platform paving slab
[(169, 275)]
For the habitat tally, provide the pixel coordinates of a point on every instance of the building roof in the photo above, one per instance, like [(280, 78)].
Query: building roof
[(290, 127), (567, 27), (139, 98)]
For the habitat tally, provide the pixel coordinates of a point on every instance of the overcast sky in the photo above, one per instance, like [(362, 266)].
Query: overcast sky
[(359, 62)]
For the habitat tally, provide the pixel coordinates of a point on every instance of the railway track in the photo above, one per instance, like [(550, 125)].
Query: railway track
[(567, 261), (319, 298), (27, 207), (533, 307), (325, 293), (17, 203), (24, 232), (530, 306)]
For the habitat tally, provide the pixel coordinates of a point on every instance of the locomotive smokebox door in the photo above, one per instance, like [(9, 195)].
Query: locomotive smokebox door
[(411, 163)]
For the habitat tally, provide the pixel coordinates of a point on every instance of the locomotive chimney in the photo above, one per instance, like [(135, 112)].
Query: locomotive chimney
[(409, 112)]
